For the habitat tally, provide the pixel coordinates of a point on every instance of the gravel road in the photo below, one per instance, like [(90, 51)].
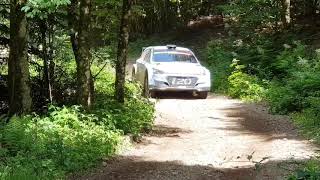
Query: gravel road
[(216, 138)]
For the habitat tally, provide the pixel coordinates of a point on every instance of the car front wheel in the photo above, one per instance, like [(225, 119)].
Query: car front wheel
[(146, 91), (203, 95)]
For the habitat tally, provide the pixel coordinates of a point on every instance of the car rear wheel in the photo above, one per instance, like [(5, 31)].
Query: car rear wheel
[(133, 74), (203, 95)]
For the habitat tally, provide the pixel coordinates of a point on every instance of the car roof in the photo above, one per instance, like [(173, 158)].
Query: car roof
[(164, 48)]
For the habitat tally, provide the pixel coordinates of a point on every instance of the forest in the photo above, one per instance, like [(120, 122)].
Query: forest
[(65, 100)]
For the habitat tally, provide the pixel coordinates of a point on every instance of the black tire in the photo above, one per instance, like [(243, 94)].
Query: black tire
[(133, 74), (153, 94), (146, 91), (203, 95)]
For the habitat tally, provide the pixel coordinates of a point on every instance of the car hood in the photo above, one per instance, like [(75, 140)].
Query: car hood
[(180, 68)]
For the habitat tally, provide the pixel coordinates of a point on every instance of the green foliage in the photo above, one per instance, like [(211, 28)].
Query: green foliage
[(257, 54), (311, 171), (132, 117), (281, 99), (244, 86), (41, 8), (309, 118), (136, 115), (219, 60), (297, 82), (293, 70), (47, 147), (250, 15), (292, 59), (68, 139), (229, 76), (277, 67)]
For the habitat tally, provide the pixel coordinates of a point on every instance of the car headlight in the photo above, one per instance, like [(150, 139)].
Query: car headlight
[(157, 71)]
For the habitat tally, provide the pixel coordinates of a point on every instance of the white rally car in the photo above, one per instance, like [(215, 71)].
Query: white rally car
[(171, 68)]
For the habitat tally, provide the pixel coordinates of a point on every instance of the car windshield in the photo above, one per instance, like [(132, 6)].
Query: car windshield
[(173, 57)]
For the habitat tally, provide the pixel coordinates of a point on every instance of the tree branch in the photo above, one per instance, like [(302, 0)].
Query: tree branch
[(95, 76)]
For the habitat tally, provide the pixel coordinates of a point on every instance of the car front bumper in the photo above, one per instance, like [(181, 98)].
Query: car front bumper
[(160, 82)]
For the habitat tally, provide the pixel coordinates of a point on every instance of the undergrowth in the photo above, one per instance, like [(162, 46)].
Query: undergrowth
[(282, 73), (68, 139)]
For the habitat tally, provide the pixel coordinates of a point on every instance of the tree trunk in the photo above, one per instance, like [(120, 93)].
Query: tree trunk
[(20, 101), (72, 21), (79, 25), (310, 8), (85, 80), (286, 14), (122, 51), (47, 89), (205, 8)]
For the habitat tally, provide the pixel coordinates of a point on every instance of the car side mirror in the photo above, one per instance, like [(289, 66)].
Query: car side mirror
[(143, 48)]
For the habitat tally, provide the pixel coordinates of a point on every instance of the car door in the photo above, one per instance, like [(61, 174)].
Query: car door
[(142, 63)]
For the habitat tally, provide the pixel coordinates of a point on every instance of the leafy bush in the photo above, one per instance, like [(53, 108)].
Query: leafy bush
[(219, 60), (311, 171), (309, 119), (68, 139), (132, 117), (65, 141), (244, 86), (281, 99), (257, 54), (291, 60), (294, 94)]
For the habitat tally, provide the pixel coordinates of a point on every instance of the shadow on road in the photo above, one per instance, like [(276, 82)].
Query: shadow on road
[(175, 95), (180, 95), (166, 131), (252, 119), (135, 168), (162, 131)]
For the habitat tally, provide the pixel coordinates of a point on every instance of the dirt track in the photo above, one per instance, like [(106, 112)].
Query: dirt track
[(217, 138)]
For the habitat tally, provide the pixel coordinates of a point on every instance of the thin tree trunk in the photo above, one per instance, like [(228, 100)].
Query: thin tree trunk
[(72, 21), (122, 51), (85, 80), (310, 8), (286, 14), (46, 62), (50, 57), (20, 101)]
